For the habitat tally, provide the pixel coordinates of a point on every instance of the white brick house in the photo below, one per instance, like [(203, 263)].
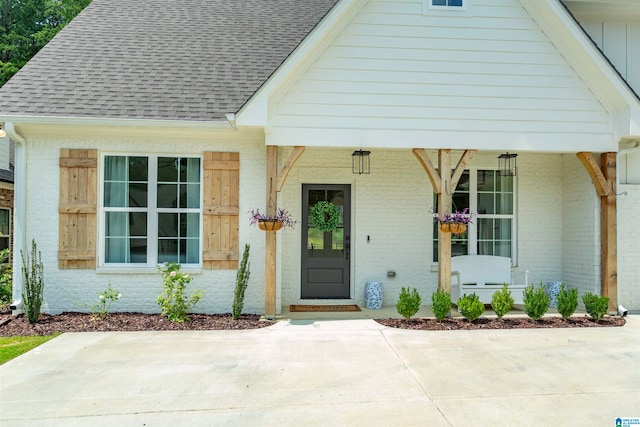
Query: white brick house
[(389, 77)]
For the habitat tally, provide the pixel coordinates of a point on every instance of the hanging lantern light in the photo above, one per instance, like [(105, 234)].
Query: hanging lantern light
[(360, 163), (507, 164)]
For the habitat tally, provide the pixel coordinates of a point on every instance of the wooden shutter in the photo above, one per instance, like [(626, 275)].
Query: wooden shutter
[(220, 210), (77, 209)]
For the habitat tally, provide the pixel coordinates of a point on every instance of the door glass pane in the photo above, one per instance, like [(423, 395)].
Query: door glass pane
[(325, 244)]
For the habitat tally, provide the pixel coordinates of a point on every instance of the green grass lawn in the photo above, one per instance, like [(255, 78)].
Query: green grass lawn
[(12, 347)]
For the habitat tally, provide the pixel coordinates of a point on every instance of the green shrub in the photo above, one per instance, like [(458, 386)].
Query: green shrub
[(242, 278), (502, 301), (100, 308), (408, 302), (567, 301), (6, 278), (595, 305), (470, 307), (173, 301), (440, 304), (33, 283), (536, 301)]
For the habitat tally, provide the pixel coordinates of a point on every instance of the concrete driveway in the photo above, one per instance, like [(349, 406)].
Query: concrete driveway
[(328, 373)]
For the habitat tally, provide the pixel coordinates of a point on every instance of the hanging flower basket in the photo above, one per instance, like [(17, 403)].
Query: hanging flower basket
[(325, 216), (453, 227), (269, 224), (272, 222)]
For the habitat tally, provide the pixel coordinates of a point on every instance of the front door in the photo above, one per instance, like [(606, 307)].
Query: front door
[(325, 255)]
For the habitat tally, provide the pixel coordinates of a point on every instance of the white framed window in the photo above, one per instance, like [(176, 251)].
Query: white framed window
[(493, 229), (446, 7), (447, 3), (151, 210), (5, 228)]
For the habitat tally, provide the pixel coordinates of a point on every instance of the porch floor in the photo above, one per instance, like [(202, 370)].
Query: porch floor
[(388, 312)]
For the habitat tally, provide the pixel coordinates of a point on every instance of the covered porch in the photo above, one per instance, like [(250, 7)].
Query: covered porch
[(551, 227)]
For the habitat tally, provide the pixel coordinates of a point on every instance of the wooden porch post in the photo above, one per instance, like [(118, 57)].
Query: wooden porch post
[(444, 184), (604, 178), (444, 206), (270, 236), (275, 182)]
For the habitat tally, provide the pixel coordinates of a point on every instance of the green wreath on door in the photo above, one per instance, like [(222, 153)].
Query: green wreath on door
[(325, 216)]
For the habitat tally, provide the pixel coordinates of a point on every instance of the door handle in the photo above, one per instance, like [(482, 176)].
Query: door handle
[(347, 247)]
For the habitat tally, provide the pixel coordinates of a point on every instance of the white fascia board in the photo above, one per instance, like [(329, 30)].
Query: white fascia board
[(577, 48), (98, 121), (255, 112), (406, 139)]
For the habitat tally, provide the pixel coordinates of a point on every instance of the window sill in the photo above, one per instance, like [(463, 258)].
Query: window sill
[(143, 270)]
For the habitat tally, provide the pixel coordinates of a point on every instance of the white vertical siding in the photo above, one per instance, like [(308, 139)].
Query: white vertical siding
[(5, 155), (394, 68), (620, 42)]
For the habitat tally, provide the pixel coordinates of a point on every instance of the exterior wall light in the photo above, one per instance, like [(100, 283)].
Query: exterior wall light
[(507, 164), (360, 163)]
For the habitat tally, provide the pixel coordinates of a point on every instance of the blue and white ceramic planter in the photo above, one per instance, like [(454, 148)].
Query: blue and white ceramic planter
[(373, 295), (553, 289)]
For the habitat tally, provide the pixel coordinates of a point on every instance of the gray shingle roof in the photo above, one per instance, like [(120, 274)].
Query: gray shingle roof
[(161, 59)]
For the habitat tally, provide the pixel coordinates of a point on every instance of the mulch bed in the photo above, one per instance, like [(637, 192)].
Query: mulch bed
[(506, 323), (83, 322)]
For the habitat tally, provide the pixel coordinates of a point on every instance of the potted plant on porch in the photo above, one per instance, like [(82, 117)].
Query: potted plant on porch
[(455, 223), (282, 218)]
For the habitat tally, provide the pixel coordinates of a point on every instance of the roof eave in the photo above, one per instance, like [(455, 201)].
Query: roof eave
[(106, 121)]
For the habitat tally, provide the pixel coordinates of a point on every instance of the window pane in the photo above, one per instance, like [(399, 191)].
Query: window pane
[(167, 225), (138, 195), (485, 203), (138, 224), (4, 242), (120, 174), (189, 225), (503, 249), (457, 3), (190, 196), (167, 196), (486, 180), (503, 229), (138, 169), (504, 203), (193, 251), (138, 251), (4, 222), (168, 169), (190, 170), (485, 228), (439, 2), (115, 168), (504, 184), (168, 250), (115, 250), (115, 194), (116, 224), (485, 248)]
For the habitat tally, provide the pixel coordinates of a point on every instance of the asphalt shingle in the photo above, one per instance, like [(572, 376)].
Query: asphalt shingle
[(161, 59)]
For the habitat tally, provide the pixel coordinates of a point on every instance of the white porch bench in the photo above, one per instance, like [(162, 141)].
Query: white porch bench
[(483, 275)]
